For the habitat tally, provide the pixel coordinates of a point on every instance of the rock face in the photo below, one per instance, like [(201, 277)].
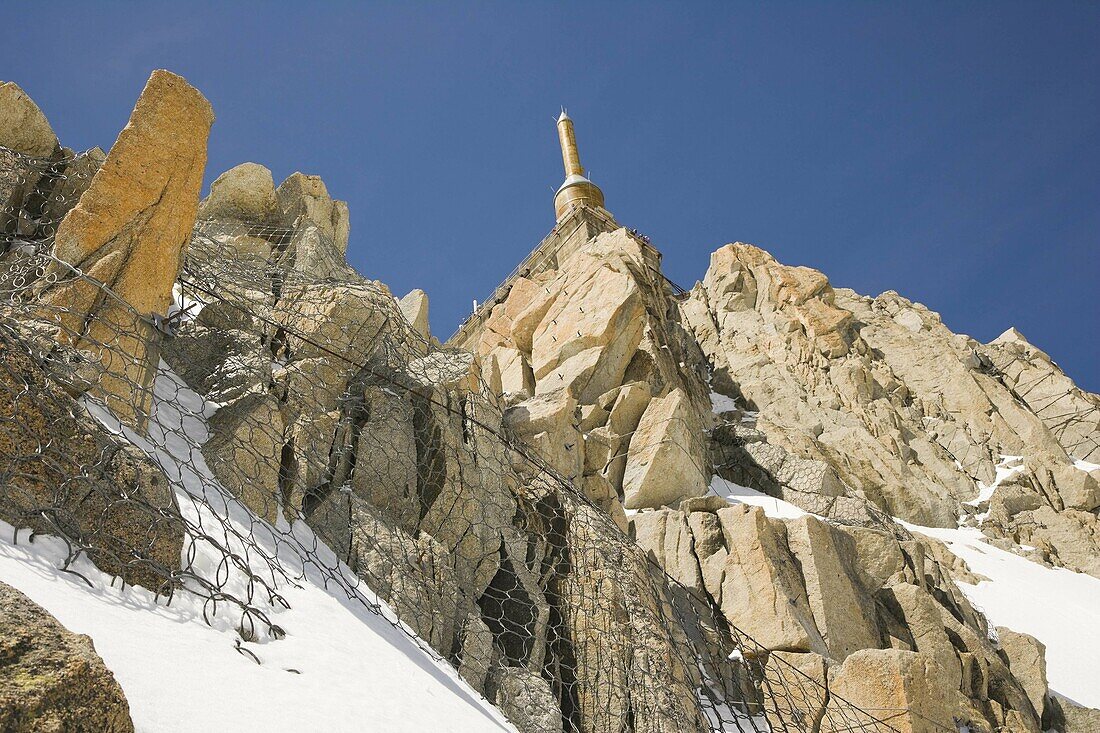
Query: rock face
[(881, 401), (601, 328), (806, 590), (1077, 719), (62, 472), (52, 679), (758, 573), (320, 224), (817, 592), (1050, 394), (783, 384), (129, 231), (1027, 659), (618, 631), (298, 229)]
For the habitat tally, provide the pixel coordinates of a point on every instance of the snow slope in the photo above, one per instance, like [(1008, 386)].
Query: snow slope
[(1058, 607), (345, 664), (353, 670)]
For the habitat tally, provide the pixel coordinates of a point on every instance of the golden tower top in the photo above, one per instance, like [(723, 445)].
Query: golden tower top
[(576, 190)]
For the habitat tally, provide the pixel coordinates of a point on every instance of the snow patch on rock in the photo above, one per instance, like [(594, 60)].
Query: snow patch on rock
[(1057, 606)]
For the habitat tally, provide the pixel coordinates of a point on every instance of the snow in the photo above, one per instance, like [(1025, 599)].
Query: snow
[(345, 663), (719, 403), (1058, 607), (1008, 467), (353, 670), (772, 506), (185, 306), (725, 717), (1086, 466)]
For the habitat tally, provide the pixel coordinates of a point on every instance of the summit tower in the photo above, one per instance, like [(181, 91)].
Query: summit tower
[(576, 190)]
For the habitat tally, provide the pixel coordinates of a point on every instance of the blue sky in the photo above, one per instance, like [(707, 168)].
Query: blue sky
[(949, 151)]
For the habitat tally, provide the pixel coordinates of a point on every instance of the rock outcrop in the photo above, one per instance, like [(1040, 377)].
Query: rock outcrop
[(128, 231), (598, 338), (785, 385), (881, 401), (807, 589), (414, 306), (52, 679)]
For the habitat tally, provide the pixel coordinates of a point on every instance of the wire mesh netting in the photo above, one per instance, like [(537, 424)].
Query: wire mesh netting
[(276, 423)]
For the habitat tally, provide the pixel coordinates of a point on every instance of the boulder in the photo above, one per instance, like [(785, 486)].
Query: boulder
[(245, 450), (549, 423), (129, 231), (414, 306), (305, 199), (627, 408), (1027, 660), (515, 373), (844, 614), (920, 614), (243, 193), (588, 335), (1078, 489), (312, 254), (63, 473), (665, 462), (220, 363), (23, 127), (605, 454), (29, 155), (527, 304), (527, 701), (339, 326), (52, 679), (799, 690), (665, 534), (1070, 538), (709, 503), (907, 687), (759, 587), (958, 569)]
